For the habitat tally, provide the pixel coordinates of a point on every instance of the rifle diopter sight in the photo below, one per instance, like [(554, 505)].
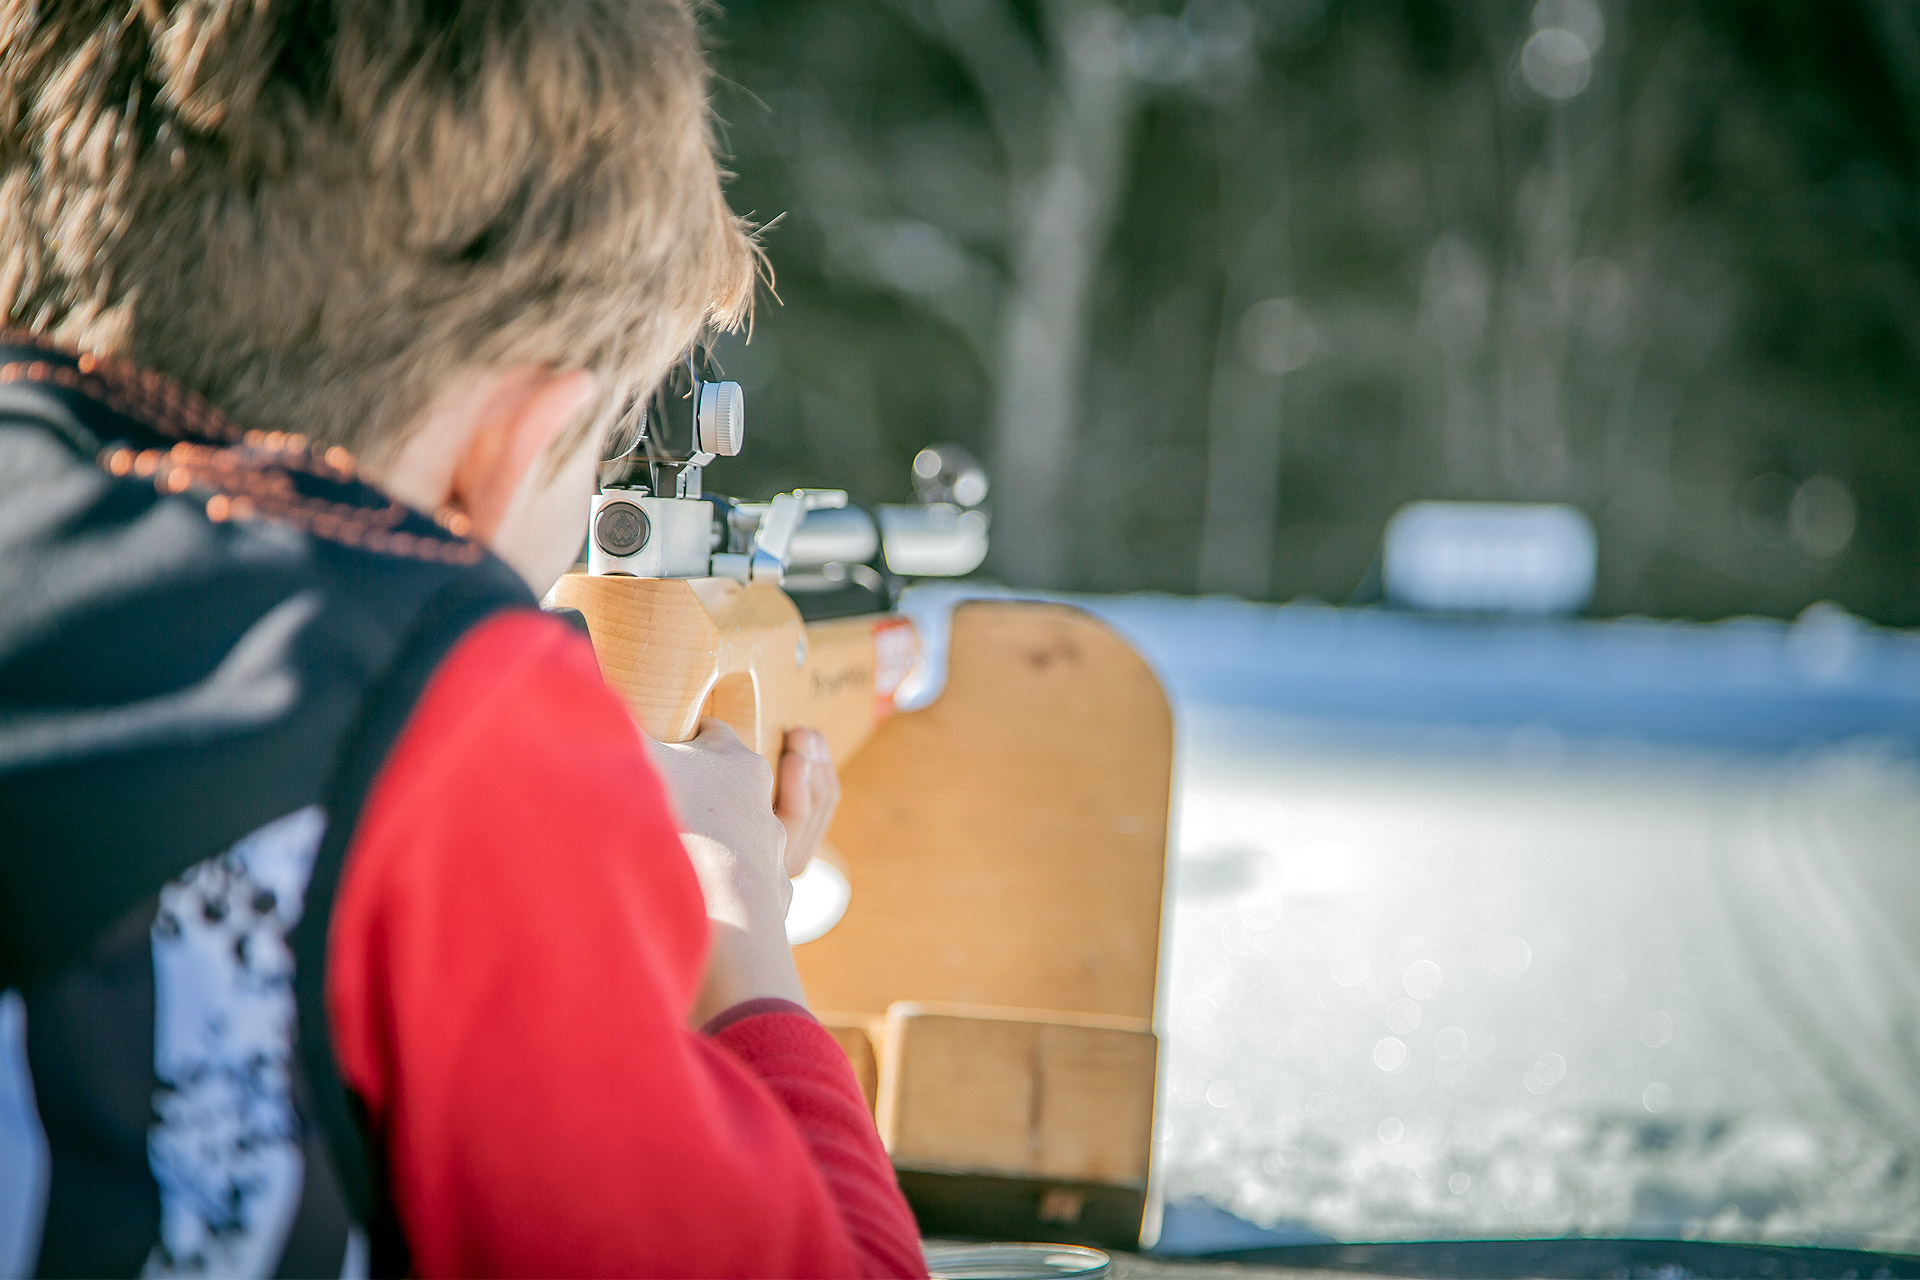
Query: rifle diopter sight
[(652, 518)]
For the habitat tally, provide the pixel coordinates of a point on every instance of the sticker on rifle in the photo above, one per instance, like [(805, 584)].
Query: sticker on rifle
[(896, 647)]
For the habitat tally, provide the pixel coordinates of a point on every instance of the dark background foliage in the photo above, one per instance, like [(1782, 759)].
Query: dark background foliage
[(1215, 289)]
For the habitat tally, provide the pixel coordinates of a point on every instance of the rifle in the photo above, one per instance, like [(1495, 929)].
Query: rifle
[(992, 940)]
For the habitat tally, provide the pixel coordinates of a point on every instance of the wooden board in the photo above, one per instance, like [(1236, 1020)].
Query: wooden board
[(858, 1038), (1007, 844), (965, 1089)]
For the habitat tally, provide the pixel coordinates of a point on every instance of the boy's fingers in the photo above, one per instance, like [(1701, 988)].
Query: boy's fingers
[(796, 787), (808, 744), (806, 769), (809, 791)]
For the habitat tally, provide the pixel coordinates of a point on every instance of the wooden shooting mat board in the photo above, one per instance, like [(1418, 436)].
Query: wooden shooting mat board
[(1007, 843)]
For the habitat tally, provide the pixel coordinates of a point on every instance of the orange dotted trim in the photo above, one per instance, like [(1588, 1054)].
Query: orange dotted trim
[(127, 388), (244, 487), (172, 413), (245, 491)]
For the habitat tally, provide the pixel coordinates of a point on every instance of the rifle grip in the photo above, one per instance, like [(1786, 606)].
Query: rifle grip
[(676, 649)]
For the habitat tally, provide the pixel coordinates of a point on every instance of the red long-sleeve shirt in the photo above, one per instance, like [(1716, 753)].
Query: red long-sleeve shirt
[(515, 950)]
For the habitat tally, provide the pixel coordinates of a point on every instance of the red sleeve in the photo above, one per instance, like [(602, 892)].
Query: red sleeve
[(514, 953)]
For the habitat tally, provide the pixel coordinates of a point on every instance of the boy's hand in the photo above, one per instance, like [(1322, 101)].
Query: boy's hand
[(743, 852), (724, 795)]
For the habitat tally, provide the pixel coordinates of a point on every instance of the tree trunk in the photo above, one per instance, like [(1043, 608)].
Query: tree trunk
[(1245, 404), (1063, 216)]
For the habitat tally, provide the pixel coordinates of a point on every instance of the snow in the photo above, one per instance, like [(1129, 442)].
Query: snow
[(1438, 996)]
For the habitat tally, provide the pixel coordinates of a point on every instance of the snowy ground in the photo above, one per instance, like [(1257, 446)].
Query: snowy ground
[(1499, 929), (1501, 993)]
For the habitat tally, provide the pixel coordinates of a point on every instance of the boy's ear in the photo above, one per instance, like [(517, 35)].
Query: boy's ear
[(523, 413)]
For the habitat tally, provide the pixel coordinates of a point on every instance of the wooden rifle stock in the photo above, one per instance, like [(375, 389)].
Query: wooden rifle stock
[(677, 649)]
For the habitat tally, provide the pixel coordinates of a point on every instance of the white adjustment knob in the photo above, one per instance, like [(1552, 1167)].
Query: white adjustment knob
[(723, 418)]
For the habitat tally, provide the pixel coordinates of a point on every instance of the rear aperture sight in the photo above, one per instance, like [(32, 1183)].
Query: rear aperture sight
[(621, 528)]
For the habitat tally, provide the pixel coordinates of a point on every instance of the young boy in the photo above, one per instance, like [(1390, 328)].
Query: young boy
[(344, 923)]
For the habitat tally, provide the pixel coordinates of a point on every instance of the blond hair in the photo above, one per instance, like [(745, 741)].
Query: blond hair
[(316, 213)]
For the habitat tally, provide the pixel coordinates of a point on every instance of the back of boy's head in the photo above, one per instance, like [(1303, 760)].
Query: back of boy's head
[(316, 212)]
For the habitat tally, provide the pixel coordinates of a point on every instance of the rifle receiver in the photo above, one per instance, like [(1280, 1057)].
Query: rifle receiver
[(652, 519)]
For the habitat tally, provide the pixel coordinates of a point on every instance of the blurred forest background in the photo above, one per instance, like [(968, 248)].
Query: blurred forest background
[(1214, 289)]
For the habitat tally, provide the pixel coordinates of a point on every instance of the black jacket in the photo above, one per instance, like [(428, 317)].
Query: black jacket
[(209, 639)]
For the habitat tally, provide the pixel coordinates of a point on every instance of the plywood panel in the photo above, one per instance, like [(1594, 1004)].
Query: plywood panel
[(1015, 1094), (1007, 844)]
